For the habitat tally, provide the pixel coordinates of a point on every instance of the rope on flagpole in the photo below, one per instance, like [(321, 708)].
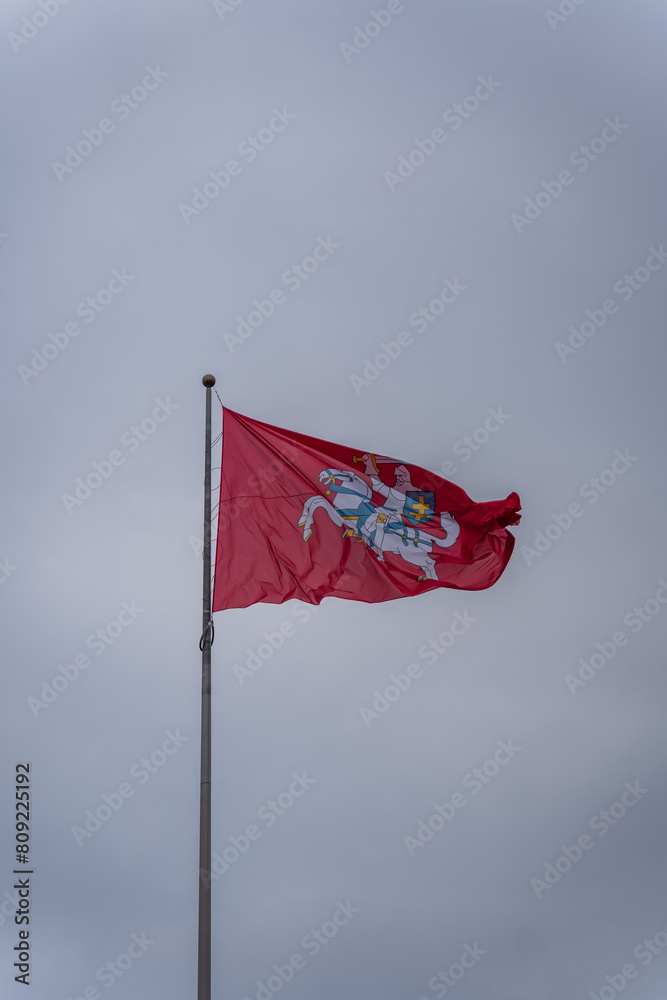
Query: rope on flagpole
[(208, 635)]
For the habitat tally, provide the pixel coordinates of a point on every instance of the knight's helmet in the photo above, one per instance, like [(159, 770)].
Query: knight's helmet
[(403, 480)]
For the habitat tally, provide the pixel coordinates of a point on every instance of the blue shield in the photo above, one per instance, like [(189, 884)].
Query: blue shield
[(419, 506)]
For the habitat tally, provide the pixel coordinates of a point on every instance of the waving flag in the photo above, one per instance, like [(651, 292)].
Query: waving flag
[(305, 518)]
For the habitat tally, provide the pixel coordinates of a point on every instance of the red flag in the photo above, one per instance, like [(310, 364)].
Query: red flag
[(305, 518)]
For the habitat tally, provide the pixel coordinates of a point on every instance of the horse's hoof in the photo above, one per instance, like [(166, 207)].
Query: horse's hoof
[(307, 536)]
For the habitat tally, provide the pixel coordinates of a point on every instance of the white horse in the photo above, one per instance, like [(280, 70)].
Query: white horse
[(380, 528)]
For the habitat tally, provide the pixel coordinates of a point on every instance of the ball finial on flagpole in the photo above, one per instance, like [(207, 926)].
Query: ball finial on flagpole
[(208, 381)]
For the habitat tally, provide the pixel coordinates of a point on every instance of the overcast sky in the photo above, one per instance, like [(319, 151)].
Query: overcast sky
[(512, 150)]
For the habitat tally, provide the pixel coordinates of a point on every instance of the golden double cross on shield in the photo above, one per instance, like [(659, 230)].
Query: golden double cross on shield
[(419, 508)]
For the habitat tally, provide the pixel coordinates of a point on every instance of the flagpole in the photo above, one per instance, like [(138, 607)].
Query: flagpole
[(204, 943)]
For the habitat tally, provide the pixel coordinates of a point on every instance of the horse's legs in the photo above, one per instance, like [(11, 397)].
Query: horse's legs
[(309, 508)]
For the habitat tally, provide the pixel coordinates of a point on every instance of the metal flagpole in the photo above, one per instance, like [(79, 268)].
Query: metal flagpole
[(204, 945)]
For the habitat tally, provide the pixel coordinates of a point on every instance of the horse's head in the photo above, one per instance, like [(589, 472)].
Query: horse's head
[(329, 477)]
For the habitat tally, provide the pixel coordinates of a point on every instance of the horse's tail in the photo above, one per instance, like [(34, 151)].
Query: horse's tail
[(451, 527)]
